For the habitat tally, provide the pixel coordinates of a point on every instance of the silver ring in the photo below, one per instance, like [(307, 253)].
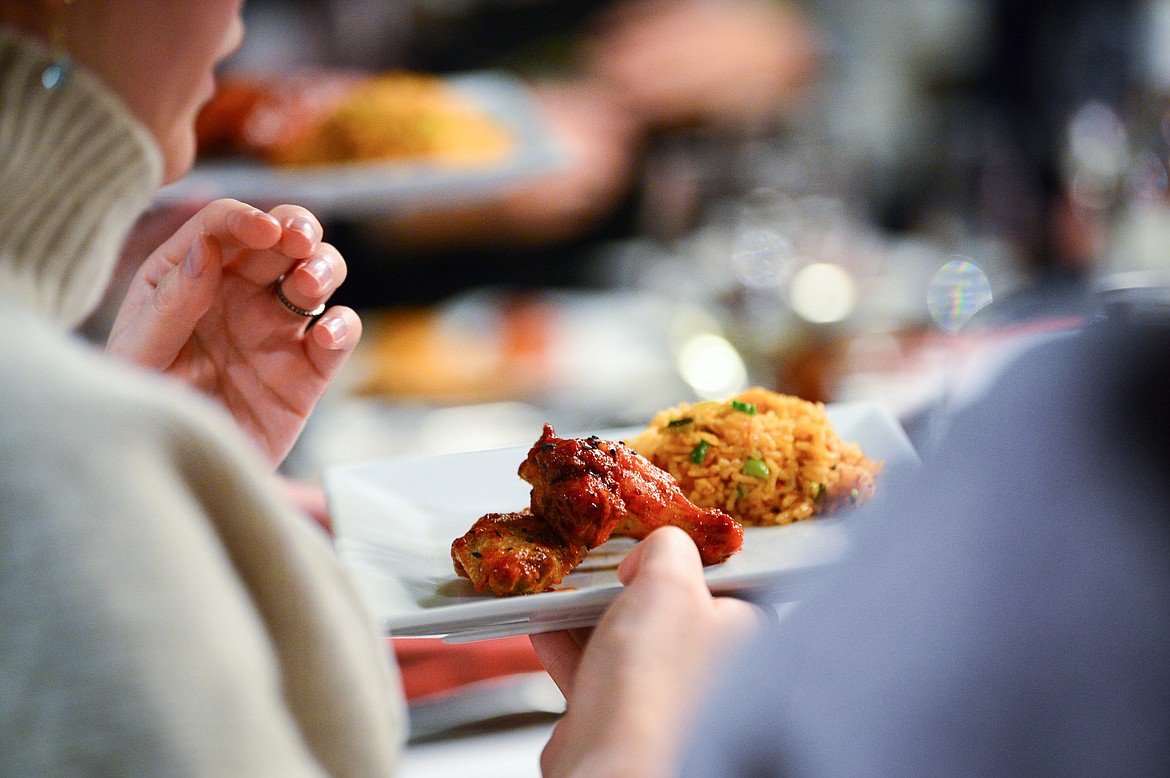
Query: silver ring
[(298, 311)]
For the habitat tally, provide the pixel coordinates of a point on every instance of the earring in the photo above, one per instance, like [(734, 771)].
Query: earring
[(57, 72)]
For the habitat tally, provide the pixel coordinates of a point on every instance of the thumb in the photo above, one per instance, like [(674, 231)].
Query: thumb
[(161, 326), (666, 550)]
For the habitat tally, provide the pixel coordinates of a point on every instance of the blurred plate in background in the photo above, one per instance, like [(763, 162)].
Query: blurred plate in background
[(369, 188)]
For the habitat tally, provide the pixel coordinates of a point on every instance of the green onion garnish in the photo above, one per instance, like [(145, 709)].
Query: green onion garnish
[(755, 468), (742, 407), (699, 452), (684, 421)]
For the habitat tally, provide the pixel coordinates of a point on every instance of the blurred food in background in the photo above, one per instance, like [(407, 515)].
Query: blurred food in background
[(328, 117), (417, 354)]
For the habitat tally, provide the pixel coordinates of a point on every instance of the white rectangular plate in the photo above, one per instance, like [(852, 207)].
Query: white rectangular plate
[(395, 520)]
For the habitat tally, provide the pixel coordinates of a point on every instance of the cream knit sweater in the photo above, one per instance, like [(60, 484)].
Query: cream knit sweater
[(162, 611)]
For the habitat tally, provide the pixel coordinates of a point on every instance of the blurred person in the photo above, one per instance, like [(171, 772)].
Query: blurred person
[(981, 143), (728, 64), (641, 68), (1051, 157), (642, 79)]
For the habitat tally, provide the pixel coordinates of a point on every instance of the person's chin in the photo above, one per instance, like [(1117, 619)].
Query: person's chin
[(178, 158)]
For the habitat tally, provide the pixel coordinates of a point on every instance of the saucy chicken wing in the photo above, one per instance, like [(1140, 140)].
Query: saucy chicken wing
[(583, 491), (589, 489), (514, 553)]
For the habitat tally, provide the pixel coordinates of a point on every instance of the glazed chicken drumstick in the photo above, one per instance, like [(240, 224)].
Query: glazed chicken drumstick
[(588, 489), (583, 491)]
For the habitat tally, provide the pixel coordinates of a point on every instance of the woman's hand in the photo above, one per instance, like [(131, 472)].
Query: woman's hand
[(634, 684), (203, 308)]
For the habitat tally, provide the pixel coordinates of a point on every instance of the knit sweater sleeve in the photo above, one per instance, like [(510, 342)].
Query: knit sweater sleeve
[(164, 612), (76, 170)]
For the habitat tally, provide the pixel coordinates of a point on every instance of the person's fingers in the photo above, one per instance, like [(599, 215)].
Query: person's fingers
[(668, 558), (667, 550), (160, 327), (317, 277), (332, 337), (552, 755), (230, 222), (300, 230), (312, 281), (267, 239), (235, 223), (560, 654), (581, 635), (253, 228), (297, 250), (739, 617)]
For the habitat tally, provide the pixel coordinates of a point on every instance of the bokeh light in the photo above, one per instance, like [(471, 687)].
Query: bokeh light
[(1098, 153), (761, 257), (712, 367), (822, 293), (958, 291), (1148, 177)]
